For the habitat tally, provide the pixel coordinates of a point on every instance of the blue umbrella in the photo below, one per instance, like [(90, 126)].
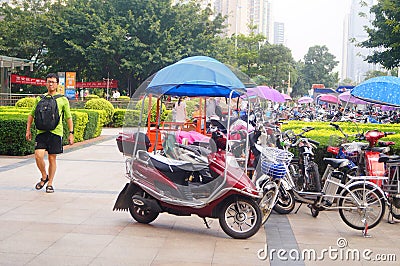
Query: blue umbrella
[(382, 90), (196, 76)]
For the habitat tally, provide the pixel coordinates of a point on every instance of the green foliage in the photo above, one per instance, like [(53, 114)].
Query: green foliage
[(94, 126), (317, 68), (27, 102), (123, 40), (275, 63), (383, 35), (118, 118), (80, 120), (123, 98), (324, 133), (101, 104), (12, 135), (153, 110), (91, 97)]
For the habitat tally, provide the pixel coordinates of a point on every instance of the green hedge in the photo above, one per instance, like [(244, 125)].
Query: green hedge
[(13, 128), (80, 120), (94, 125), (324, 133), (101, 104), (12, 135)]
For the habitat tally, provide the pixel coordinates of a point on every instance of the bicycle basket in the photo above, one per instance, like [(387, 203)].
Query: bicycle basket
[(273, 162), (276, 155)]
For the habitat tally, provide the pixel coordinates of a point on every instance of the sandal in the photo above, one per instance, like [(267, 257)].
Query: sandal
[(42, 182), (49, 189)]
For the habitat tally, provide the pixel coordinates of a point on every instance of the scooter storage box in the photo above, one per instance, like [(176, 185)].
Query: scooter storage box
[(374, 167), (126, 142)]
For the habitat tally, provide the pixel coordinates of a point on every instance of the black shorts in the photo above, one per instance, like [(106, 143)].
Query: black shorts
[(52, 143)]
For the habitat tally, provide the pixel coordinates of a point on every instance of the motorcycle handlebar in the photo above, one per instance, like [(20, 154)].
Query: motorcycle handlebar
[(316, 143), (389, 133)]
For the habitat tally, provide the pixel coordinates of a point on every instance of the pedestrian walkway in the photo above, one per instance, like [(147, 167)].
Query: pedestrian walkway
[(76, 224)]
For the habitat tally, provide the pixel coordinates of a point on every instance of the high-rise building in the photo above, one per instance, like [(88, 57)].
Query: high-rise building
[(279, 33), (354, 67), (241, 13)]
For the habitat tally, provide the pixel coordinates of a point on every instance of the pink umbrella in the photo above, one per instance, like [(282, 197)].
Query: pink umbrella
[(267, 93), (287, 97), (347, 97), (305, 99), (388, 108), (329, 98)]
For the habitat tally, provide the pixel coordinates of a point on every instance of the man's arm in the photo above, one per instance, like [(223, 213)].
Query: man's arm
[(28, 134), (71, 129)]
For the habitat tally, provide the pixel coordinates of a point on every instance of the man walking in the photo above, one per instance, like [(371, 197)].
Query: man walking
[(49, 137)]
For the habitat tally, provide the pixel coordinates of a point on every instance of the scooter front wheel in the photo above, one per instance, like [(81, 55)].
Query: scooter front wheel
[(285, 202), (240, 217)]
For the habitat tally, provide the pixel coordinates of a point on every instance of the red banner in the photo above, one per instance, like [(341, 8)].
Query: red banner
[(27, 80), (112, 84)]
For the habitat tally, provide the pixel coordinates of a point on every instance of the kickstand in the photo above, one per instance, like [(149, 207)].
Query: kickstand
[(365, 231), (298, 208), (206, 223), (391, 221)]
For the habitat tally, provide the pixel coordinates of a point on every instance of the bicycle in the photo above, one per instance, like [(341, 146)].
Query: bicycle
[(360, 202), (391, 186)]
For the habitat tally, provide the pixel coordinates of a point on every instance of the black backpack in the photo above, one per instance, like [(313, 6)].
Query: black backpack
[(47, 116)]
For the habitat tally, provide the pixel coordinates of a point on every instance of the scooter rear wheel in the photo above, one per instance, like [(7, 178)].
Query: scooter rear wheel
[(141, 215), (240, 217)]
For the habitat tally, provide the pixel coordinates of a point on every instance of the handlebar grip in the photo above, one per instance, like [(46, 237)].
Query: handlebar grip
[(390, 133), (306, 129), (313, 142)]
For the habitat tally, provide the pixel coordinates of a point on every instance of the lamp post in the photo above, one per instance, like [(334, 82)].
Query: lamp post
[(108, 85), (237, 15)]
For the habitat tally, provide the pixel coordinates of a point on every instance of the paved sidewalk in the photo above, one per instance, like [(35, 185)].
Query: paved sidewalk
[(76, 224)]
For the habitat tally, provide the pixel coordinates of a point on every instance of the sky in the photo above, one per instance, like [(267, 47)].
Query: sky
[(312, 22)]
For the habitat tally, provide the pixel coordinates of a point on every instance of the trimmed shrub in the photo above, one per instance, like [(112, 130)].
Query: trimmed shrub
[(12, 135), (91, 96), (123, 98), (101, 104), (27, 102), (80, 121), (118, 118), (94, 125)]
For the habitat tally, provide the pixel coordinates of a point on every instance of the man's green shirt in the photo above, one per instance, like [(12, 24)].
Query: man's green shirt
[(63, 106)]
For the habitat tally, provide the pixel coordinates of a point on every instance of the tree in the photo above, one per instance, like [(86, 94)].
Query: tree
[(318, 68), (247, 51), (385, 34), (127, 40), (275, 63)]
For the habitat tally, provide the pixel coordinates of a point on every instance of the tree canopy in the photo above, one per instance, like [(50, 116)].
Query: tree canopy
[(128, 40), (317, 68), (385, 34)]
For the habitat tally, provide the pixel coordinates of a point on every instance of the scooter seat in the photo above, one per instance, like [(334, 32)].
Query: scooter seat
[(177, 171), (336, 163), (165, 163), (389, 158), (381, 149)]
